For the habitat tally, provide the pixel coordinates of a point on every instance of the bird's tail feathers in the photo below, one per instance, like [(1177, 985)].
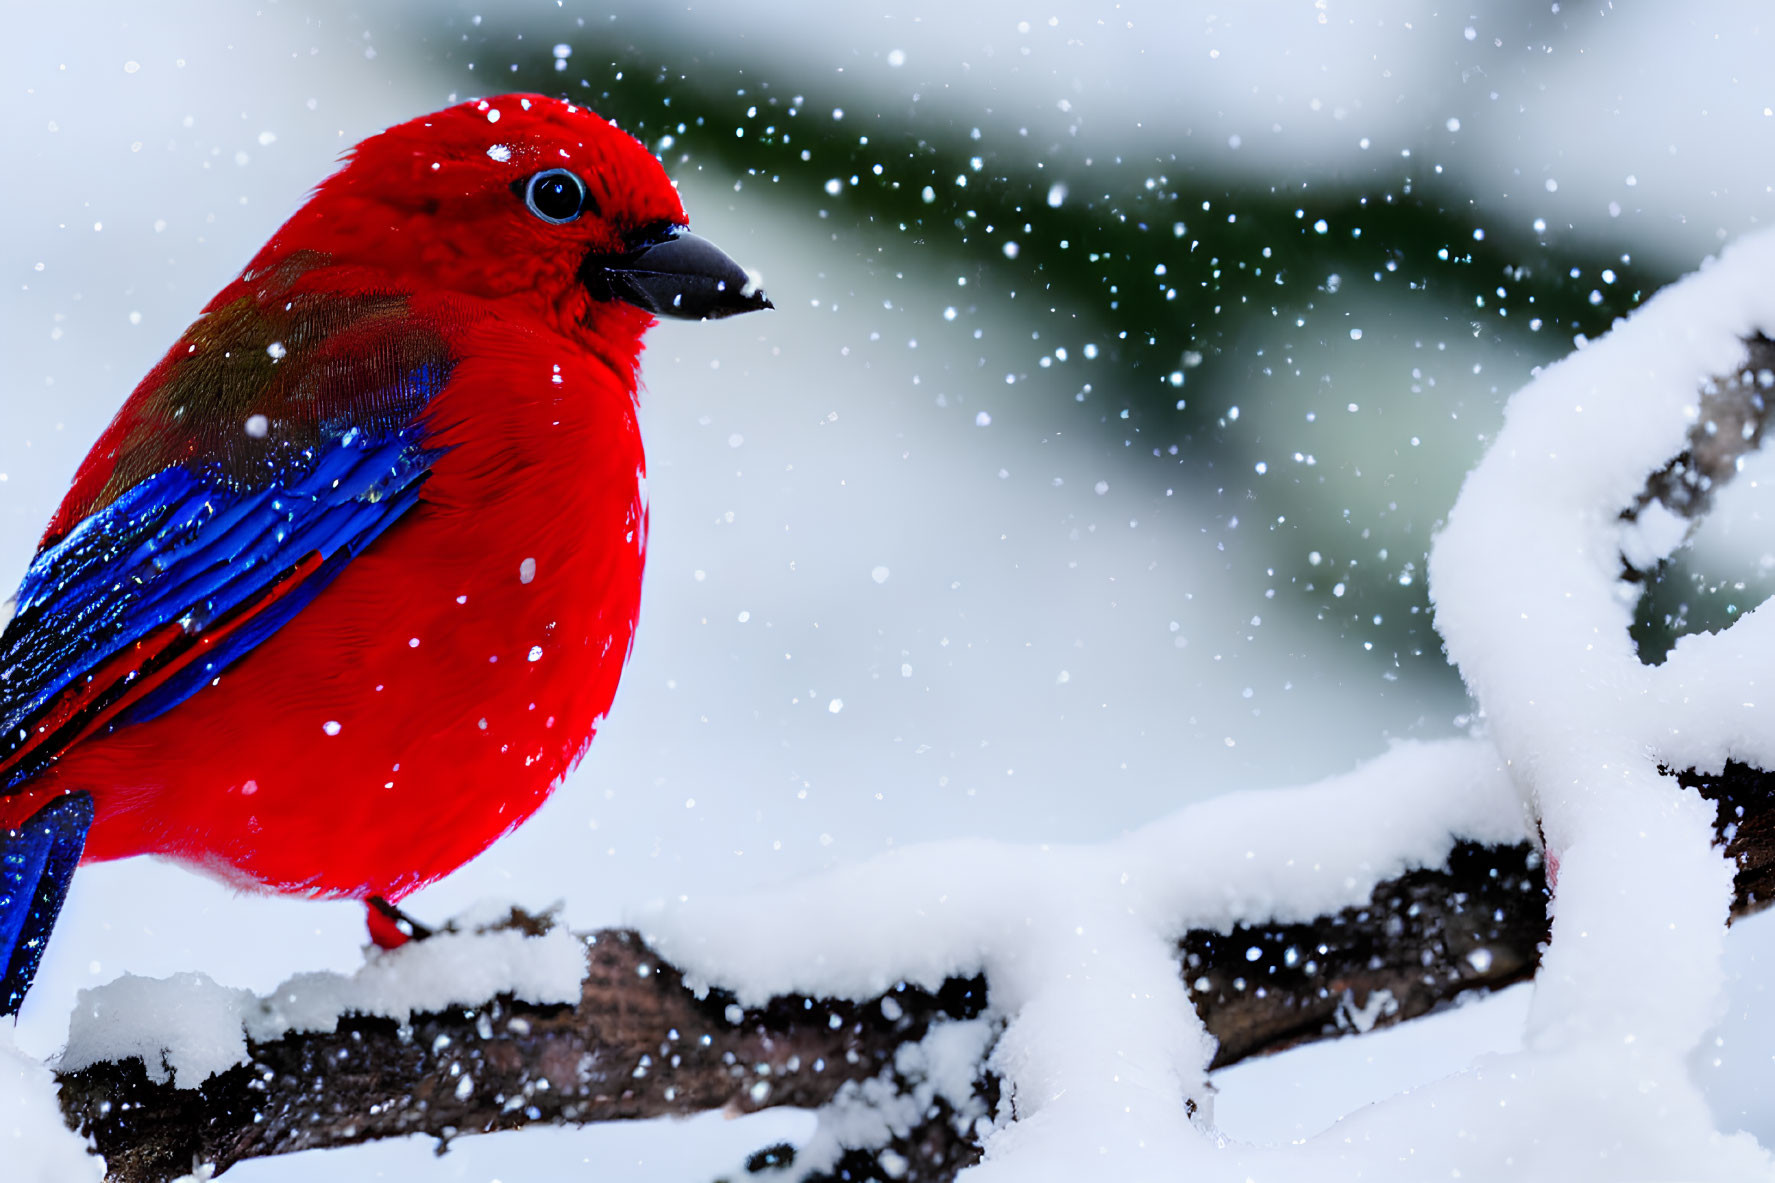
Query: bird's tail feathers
[(37, 859)]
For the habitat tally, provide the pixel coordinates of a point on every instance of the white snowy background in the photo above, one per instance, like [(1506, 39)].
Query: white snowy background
[(858, 635)]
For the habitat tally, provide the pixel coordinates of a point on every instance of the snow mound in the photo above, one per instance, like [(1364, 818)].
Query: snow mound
[(923, 914), (34, 1145), (1101, 1045)]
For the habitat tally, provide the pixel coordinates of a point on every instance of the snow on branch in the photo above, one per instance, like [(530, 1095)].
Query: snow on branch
[(638, 1043), (1601, 469), (163, 1075), (635, 1044)]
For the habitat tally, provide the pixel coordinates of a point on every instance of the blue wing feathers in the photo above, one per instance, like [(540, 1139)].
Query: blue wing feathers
[(215, 539), (223, 532), (59, 572), (182, 546), (196, 541), (344, 543)]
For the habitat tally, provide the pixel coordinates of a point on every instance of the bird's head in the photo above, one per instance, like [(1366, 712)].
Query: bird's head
[(520, 198)]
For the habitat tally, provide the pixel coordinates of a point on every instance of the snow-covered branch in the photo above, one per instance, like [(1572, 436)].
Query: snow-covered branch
[(639, 1043), (425, 1039), (636, 1044)]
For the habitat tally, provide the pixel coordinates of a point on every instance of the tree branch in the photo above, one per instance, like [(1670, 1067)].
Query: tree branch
[(640, 1044), (1422, 940)]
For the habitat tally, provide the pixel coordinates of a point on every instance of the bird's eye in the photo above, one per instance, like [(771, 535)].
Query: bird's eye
[(555, 195)]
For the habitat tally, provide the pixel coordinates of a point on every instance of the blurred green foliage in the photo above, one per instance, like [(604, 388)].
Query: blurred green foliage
[(1173, 266)]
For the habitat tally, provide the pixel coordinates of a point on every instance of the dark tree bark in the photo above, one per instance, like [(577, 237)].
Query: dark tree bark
[(1734, 410), (1422, 940), (638, 1044)]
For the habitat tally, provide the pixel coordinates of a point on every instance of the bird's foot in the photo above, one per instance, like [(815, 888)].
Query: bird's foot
[(390, 927)]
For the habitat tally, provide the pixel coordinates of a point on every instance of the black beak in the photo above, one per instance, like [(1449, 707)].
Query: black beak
[(675, 273)]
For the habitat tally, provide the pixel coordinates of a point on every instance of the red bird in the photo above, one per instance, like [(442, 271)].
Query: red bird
[(346, 587)]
